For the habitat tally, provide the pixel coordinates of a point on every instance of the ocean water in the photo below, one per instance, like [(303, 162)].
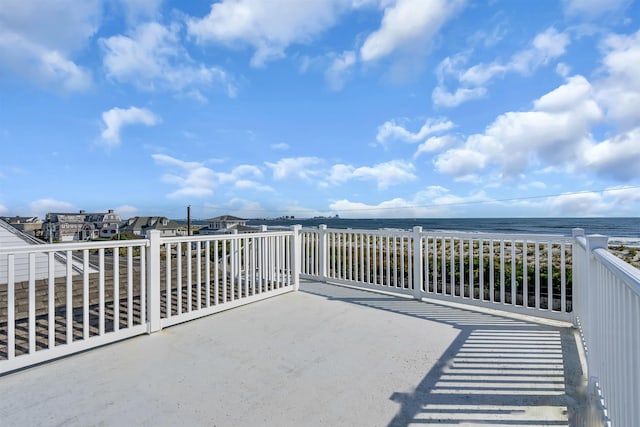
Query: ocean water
[(624, 231)]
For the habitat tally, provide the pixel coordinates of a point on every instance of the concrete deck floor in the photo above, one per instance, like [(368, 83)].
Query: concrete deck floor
[(325, 356)]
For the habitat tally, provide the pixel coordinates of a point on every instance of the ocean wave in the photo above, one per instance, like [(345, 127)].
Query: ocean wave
[(630, 242)]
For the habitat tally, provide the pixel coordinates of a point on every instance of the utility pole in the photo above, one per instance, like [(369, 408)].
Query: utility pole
[(189, 220)]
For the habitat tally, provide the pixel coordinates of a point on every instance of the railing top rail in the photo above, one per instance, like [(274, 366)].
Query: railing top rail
[(212, 237), (532, 238), (78, 246), (582, 241), (622, 270)]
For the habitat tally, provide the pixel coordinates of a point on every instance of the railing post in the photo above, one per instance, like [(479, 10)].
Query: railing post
[(323, 251), (296, 256), (591, 313), (579, 276), (417, 262), (153, 282)]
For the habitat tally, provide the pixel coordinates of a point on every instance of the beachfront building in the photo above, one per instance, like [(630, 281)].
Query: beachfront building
[(67, 227), (227, 224), (140, 225)]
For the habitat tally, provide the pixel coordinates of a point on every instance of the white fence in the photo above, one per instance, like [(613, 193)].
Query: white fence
[(114, 290), (109, 291), (518, 273), (608, 315)]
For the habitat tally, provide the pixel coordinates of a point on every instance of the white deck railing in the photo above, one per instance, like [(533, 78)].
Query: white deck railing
[(45, 316), (528, 274), (109, 291), (608, 315)]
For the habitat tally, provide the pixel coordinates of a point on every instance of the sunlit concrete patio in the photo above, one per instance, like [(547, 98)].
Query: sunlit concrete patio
[(327, 355)]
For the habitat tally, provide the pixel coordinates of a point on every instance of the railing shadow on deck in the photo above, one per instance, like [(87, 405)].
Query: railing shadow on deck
[(498, 371)]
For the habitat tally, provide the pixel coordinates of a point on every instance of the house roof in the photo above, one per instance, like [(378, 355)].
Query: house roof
[(149, 223), (226, 218), (21, 219), (12, 237)]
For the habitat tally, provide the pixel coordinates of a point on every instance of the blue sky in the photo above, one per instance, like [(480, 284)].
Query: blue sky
[(362, 108)]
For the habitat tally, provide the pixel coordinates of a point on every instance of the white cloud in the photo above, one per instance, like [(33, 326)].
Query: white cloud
[(394, 131), (613, 201), (339, 70), (619, 92), (434, 143), (116, 118), (394, 172), (237, 207), (141, 10), (578, 204), (462, 163), (594, 8), (3, 209), (554, 133), (126, 211), (433, 202), (617, 157), (152, 58), (268, 27), (623, 195), (280, 146), (472, 81), (38, 39), (407, 24), (246, 184), (444, 98), (193, 179), (41, 207), (545, 46), (295, 167), (240, 171)]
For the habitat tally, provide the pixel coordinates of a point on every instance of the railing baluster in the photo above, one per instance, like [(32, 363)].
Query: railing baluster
[(32, 303), (491, 272), (179, 277), (401, 261), (224, 271), (525, 274), (514, 290), (85, 294), (550, 276), (167, 280), (435, 265), (51, 300), (189, 290), (143, 285), (11, 307), (216, 277), (537, 273), (101, 297), (69, 296), (481, 269), (461, 274), (207, 273), (471, 262), (502, 284), (116, 289), (198, 276), (361, 249), (130, 316), (563, 285)]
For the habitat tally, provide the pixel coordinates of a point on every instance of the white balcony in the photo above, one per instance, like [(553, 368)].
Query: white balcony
[(381, 331)]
